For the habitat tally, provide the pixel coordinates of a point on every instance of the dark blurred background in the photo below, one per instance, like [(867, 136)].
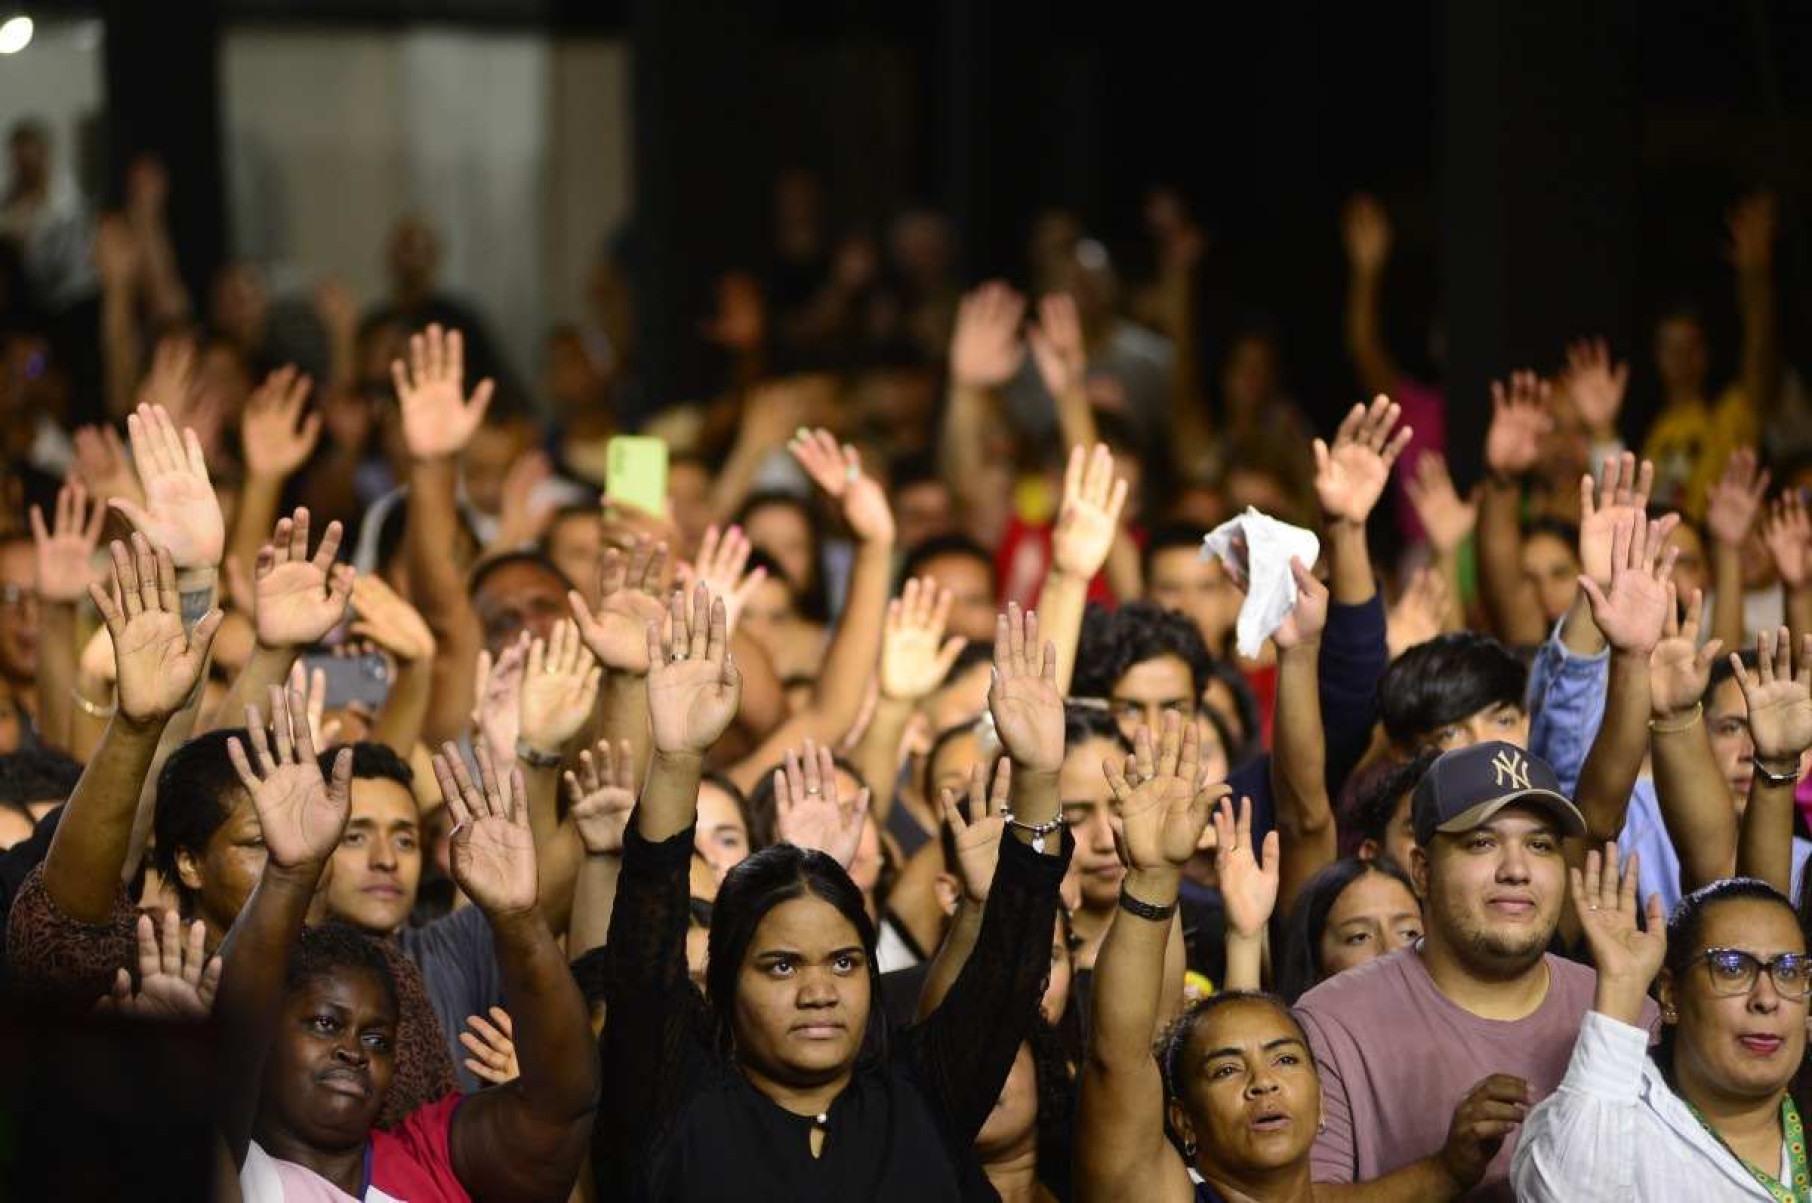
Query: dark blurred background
[(1553, 167)]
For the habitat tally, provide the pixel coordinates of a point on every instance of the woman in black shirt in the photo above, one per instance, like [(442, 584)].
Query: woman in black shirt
[(783, 1083)]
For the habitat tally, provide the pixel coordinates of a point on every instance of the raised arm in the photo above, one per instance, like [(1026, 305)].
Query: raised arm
[(1752, 228), (1350, 477), (1732, 505), (964, 1050), (977, 837), (1249, 889), (1088, 526), (296, 600), (1447, 519), (1788, 533), (1299, 789), (1365, 230), (160, 665), (985, 353), (915, 659), (1121, 1151), (559, 695), (65, 552), (438, 421), (1690, 789), (617, 634), (1632, 618), (300, 818), (383, 617), (1780, 724), (276, 439), (524, 1140), (602, 794), (1519, 419), (849, 662)]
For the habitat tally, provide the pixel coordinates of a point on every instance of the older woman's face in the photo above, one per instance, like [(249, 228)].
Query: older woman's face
[(1249, 1093), (802, 994), (1740, 1044), (331, 1062)]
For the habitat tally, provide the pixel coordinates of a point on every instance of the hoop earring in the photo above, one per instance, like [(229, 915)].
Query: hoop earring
[(1189, 1150)]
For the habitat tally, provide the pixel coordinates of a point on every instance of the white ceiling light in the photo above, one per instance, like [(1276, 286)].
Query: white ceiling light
[(15, 34)]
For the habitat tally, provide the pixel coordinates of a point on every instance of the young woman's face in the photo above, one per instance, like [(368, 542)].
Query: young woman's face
[(722, 837), (1087, 805), (1374, 915), (1250, 1096), (1552, 570), (802, 994), (1740, 1044), (330, 1064)]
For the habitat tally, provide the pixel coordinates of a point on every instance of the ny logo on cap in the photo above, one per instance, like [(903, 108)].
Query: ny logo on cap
[(1511, 769)]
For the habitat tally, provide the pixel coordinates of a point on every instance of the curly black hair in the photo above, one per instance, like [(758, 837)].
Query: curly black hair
[(325, 949), (1115, 640)]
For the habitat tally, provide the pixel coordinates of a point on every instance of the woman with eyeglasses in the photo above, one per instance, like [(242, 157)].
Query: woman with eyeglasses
[(1712, 1113)]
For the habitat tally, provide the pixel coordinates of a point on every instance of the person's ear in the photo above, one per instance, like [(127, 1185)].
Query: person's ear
[(187, 870), (1420, 870), (1368, 849), (1668, 994), (949, 893), (1179, 1121)]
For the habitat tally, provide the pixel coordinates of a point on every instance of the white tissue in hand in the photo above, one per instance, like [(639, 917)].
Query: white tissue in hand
[(1263, 562)]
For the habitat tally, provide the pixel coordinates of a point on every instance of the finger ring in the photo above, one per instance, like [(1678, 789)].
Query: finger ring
[(812, 791), (677, 657), (1233, 847)]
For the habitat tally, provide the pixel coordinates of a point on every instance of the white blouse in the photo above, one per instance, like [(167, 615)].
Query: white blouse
[(1614, 1131)]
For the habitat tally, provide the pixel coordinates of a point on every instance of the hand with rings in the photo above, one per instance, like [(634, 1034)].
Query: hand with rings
[(694, 687), (1248, 882), (808, 812)]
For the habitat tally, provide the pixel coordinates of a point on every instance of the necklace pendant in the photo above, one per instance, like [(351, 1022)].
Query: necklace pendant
[(1038, 842)]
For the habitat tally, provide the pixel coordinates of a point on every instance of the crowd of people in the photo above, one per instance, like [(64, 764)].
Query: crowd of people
[(909, 806)]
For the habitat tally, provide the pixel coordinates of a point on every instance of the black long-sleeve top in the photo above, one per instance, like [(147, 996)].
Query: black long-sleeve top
[(678, 1121)]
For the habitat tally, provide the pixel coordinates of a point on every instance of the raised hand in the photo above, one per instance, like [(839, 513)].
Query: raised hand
[(978, 837), (1626, 956), (1365, 229), (1596, 384), (1309, 616), (1780, 703), (1633, 615), (1734, 500), (559, 689), (1490, 1112), (1788, 534), (300, 815), (493, 1047), (1248, 880), (1350, 476), (603, 796), (1752, 222), (275, 434), (66, 551), (1024, 699), (985, 350), (1679, 669), (157, 662), (694, 686), (1162, 798), (383, 617), (915, 656), (1446, 517), (296, 599), (497, 688), (1417, 614), (492, 851), (1621, 494), (101, 464), (1057, 346), (170, 381), (311, 687), (438, 418), (180, 510), (1519, 419), (807, 810), (838, 471), (723, 560), (176, 980), (1088, 518), (628, 600)]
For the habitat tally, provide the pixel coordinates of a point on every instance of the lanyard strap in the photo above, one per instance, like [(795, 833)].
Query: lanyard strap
[(1795, 1137)]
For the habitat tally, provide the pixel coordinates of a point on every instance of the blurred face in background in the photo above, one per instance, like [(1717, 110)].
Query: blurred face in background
[(688, 503), (784, 533), (1691, 569), (494, 449), (1682, 358), (1182, 580), (18, 611), (1552, 570), (923, 510), (971, 581), (1250, 376)]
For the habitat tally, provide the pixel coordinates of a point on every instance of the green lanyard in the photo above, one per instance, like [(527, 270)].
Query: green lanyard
[(1795, 1136)]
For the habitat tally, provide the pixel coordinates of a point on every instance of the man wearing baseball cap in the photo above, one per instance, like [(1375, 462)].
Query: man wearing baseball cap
[(1476, 1021)]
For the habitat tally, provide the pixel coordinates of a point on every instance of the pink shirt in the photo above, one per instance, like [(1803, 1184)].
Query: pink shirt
[(411, 1163), (1397, 1056)]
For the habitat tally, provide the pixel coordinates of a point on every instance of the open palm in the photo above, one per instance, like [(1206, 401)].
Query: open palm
[(492, 850), (693, 688), (616, 632), (300, 814), (1163, 804), (438, 419), (1519, 419), (1350, 476), (1248, 883), (1025, 701), (1780, 703)]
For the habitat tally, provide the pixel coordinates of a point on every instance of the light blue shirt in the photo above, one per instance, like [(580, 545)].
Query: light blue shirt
[(1566, 705), (1659, 870)]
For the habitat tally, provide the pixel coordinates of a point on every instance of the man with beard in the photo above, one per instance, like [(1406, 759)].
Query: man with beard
[(1477, 1016)]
